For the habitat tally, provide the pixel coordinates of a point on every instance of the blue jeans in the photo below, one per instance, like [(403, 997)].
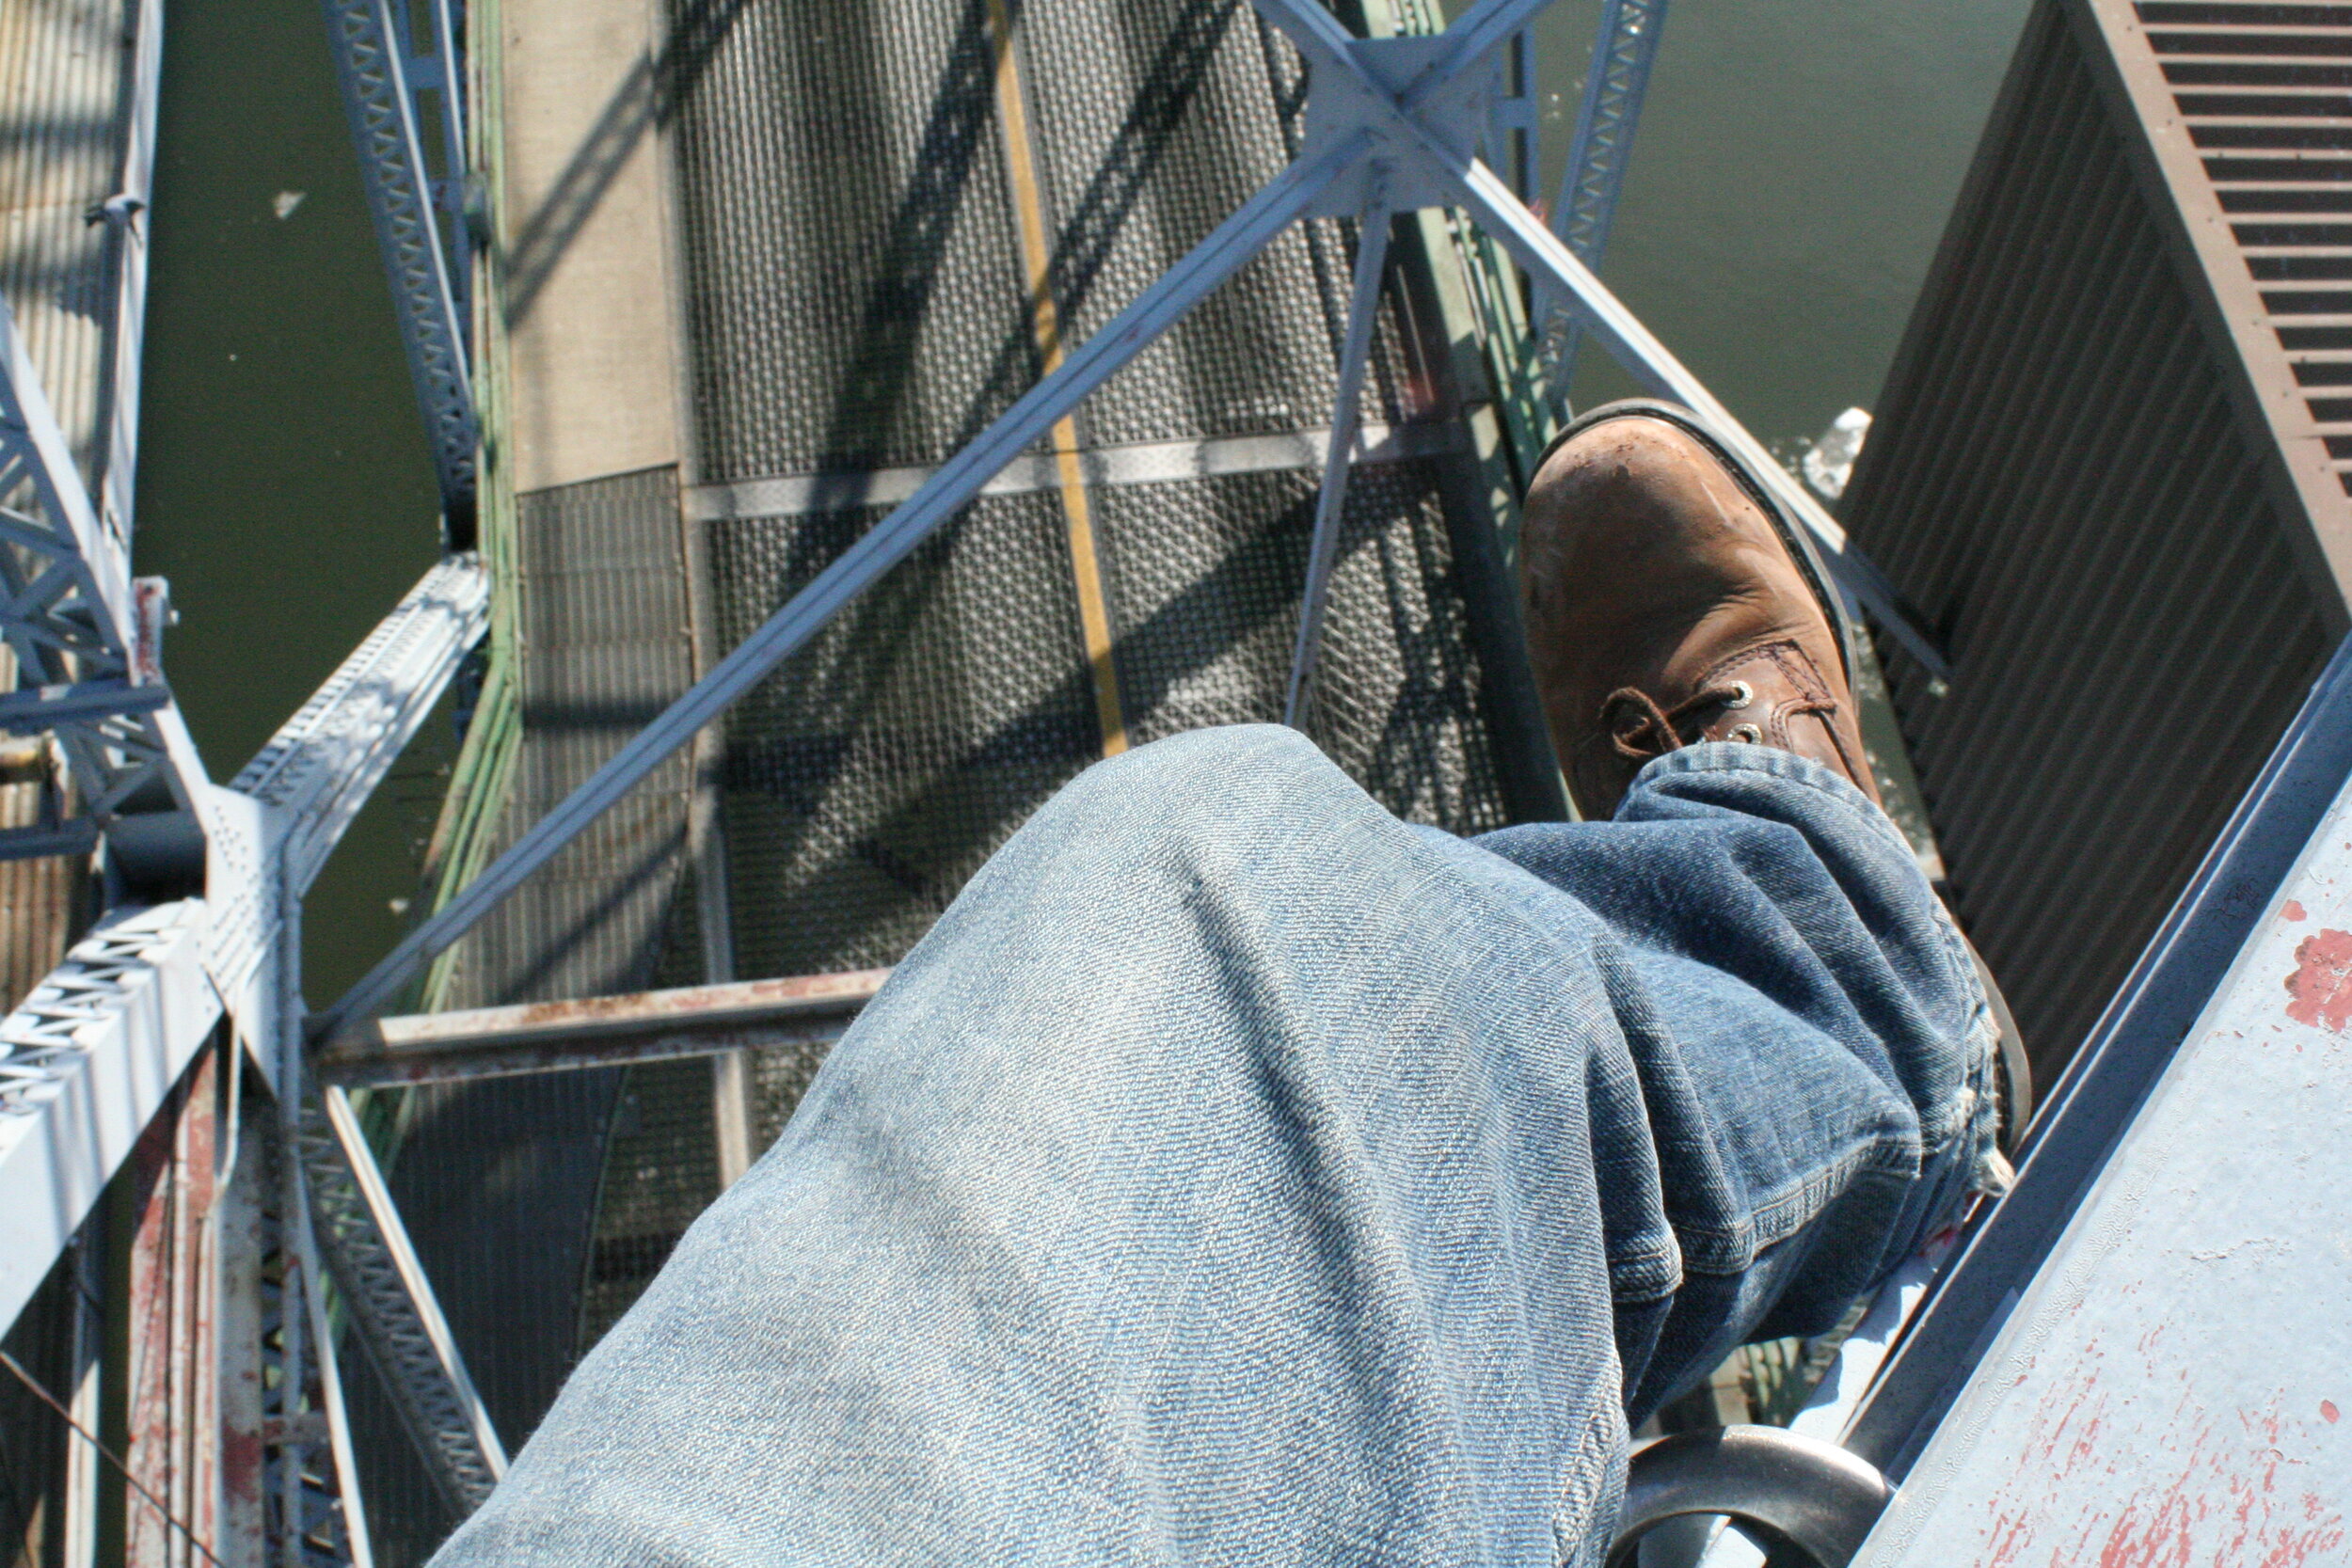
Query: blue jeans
[(1236, 1173)]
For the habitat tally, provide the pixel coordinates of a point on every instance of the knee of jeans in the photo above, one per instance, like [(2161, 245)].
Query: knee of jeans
[(1202, 781)]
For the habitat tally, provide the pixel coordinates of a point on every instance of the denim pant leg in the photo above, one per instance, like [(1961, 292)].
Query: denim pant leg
[(1237, 1175)]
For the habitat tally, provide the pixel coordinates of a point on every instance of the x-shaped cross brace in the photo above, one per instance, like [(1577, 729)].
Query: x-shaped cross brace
[(1407, 114), (1391, 125)]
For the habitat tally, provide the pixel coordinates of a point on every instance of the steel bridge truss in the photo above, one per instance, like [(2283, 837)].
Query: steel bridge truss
[(1623, 52), (395, 83), (1393, 125), (90, 1057), (85, 637)]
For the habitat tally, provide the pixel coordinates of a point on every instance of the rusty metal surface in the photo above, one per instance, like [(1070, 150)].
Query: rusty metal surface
[(599, 1031), (2172, 1387), (170, 1384)]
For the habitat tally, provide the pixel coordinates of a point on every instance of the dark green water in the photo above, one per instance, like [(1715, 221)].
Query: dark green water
[(1789, 187), (1789, 182), (284, 487)]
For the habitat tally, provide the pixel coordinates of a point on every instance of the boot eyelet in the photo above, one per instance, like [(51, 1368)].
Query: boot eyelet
[(1742, 695), (1747, 733)]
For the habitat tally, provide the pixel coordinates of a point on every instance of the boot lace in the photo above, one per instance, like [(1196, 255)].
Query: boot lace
[(1640, 728)]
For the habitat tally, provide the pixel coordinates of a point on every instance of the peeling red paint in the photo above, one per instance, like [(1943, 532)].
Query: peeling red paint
[(2321, 986), (2291, 909), (2209, 1496)]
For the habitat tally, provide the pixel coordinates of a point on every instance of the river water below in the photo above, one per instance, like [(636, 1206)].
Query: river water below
[(1789, 185)]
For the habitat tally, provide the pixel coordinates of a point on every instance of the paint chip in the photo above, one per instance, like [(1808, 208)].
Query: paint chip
[(2327, 1411), (2321, 986), (2291, 909), (284, 202)]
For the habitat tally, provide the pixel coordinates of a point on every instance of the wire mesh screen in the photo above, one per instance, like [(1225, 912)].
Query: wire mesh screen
[(1206, 577), (853, 285), (1156, 119), (496, 1182), (501, 1183), (604, 645), (871, 776), (868, 780)]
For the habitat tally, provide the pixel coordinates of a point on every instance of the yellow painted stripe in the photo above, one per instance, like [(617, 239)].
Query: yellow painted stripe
[(1094, 615)]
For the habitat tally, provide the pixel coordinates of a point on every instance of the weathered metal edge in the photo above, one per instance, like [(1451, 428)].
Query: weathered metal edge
[(599, 1031)]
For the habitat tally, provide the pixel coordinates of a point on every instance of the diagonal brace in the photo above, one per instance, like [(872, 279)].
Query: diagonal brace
[(1389, 131), (1226, 251)]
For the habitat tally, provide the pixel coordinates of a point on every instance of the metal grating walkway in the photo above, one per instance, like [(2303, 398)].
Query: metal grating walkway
[(853, 196)]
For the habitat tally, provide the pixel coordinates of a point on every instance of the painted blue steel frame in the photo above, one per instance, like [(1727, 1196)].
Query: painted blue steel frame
[(420, 219), (72, 614), (2092, 1107), (1623, 52), (2133, 1360), (1397, 115)]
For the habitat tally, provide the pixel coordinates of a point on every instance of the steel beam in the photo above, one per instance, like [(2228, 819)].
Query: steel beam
[(1287, 198), (1347, 410), (1413, 104), (2167, 1383), (170, 1326), (94, 1050), (321, 1518), (47, 707), (363, 1244), (85, 1064), (129, 211), (279, 818), (1619, 79), (76, 836), (382, 71), (1427, 132), (601, 1030), (324, 762), (2218, 916), (83, 634)]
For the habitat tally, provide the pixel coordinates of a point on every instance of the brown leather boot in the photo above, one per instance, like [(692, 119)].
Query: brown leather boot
[(1670, 601)]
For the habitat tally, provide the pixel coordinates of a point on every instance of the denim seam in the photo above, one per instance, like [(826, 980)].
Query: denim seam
[(1710, 757), (1729, 1251), (1655, 1273), (1789, 1211), (1984, 1048), (1585, 1484), (1960, 969)]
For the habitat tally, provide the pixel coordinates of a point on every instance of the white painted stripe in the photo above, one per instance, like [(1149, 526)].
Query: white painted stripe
[(1145, 462)]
